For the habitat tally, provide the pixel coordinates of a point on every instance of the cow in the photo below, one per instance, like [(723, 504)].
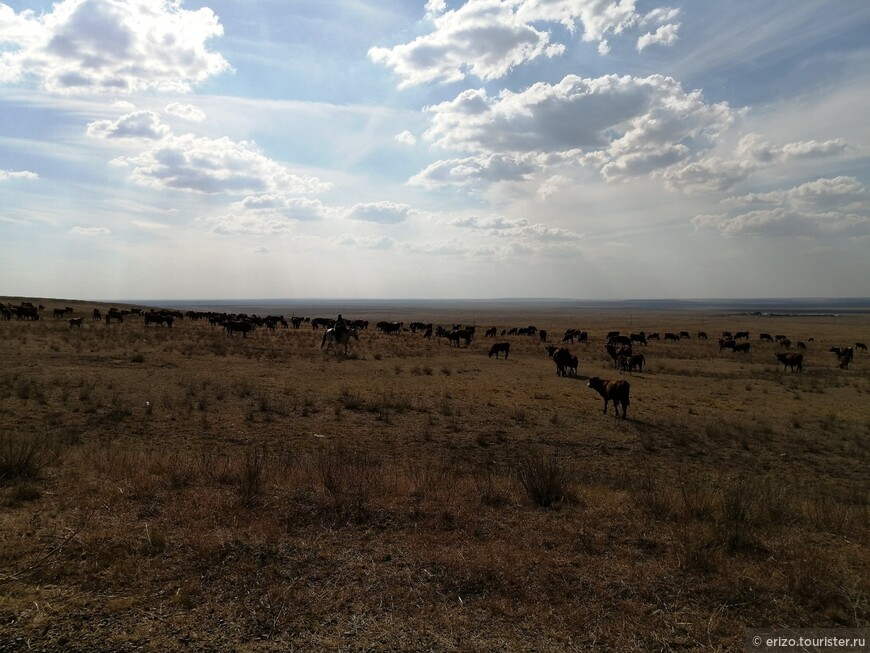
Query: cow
[(543, 335), (791, 360), (563, 360), (636, 361), (551, 349), (238, 326), (726, 344), (625, 341), (801, 345), (743, 347), (741, 334), (844, 355), (97, 316), (460, 334), (685, 334), (490, 333), (615, 391), (76, 322), (702, 335), (765, 337), (860, 345), (389, 327), (615, 353), (638, 337), (114, 314), (500, 347), (785, 343), (672, 336), (59, 313)]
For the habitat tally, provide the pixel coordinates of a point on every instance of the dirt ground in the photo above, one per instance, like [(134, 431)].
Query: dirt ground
[(177, 489)]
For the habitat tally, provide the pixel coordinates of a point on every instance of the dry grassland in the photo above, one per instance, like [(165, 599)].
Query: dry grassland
[(173, 489)]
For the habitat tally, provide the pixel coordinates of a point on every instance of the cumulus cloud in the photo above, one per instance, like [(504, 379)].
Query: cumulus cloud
[(487, 38), (624, 125), (517, 229), (186, 111), (826, 206), (664, 35), (289, 208), (406, 138), (710, 175), (470, 171), (139, 124), (365, 242), (249, 224), (381, 212), (207, 165), (754, 147), (9, 175), (114, 46)]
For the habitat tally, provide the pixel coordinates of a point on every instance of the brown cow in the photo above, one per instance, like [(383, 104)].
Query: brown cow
[(500, 347), (791, 360), (615, 391)]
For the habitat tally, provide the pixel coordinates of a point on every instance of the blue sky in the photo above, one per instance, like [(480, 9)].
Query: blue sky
[(488, 148)]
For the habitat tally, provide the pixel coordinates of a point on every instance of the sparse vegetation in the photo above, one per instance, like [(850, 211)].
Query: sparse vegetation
[(183, 490)]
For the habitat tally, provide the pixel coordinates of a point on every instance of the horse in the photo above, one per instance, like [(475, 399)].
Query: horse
[(330, 337)]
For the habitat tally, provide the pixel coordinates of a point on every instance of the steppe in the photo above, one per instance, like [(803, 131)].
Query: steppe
[(176, 489)]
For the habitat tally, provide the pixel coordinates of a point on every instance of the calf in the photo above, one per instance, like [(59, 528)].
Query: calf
[(615, 391)]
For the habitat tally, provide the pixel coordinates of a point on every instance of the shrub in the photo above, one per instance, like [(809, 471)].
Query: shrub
[(23, 458), (543, 477)]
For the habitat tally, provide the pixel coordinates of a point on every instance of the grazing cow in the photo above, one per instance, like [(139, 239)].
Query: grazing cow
[(500, 347), (427, 334), (685, 334), (702, 335), (801, 345), (615, 353), (490, 333), (636, 361), (792, 360), (622, 363), (638, 337), (296, 322), (59, 313), (543, 335), (460, 334), (389, 327), (114, 314), (726, 344), (741, 334), (844, 355), (321, 322), (765, 337), (97, 316), (625, 341), (615, 391), (672, 336), (653, 336), (563, 360), (76, 322), (785, 343), (860, 345), (241, 326), (743, 347), (726, 335)]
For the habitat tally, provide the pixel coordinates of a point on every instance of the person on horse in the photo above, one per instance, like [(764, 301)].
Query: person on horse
[(340, 328)]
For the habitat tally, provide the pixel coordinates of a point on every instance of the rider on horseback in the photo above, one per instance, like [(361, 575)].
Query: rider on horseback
[(340, 328)]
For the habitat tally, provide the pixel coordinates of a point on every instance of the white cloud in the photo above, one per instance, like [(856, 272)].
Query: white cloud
[(710, 175), (753, 146), (624, 125), (140, 124), (290, 208), (90, 232), (7, 175), (365, 242), (487, 38), (406, 138), (829, 206), (470, 171), (381, 212), (186, 111), (207, 165), (664, 35), (114, 46)]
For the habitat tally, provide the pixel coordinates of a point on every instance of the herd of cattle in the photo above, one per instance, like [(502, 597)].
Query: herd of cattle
[(621, 348)]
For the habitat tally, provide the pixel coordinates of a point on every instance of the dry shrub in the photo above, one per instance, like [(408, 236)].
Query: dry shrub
[(738, 518), (24, 457), (350, 478), (544, 477), (251, 477)]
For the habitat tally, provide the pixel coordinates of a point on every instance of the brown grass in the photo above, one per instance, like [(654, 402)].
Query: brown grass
[(175, 489)]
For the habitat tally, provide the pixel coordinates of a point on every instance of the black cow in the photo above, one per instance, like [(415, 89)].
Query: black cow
[(615, 391), (500, 347)]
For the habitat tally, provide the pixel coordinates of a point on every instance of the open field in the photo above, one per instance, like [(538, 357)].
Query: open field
[(175, 489)]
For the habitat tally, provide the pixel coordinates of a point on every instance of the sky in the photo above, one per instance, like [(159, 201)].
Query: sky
[(589, 149)]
